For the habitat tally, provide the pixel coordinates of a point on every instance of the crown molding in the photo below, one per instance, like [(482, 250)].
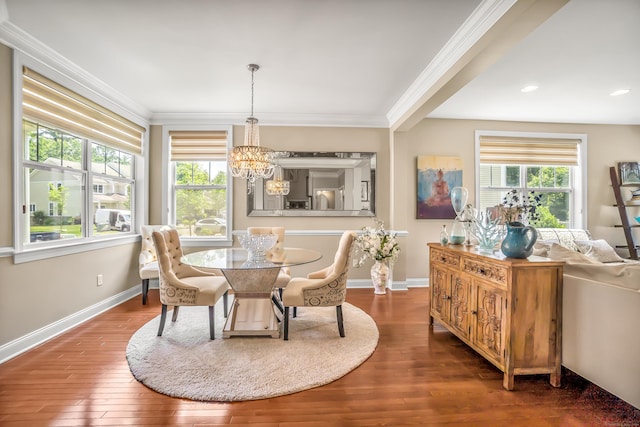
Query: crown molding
[(267, 119), (4, 12), (16, 38), (476, 25)]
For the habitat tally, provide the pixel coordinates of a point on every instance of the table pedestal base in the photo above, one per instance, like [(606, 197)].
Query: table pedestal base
[(252, 317)]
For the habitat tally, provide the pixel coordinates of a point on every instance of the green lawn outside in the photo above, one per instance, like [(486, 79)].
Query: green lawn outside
[(75, 229)]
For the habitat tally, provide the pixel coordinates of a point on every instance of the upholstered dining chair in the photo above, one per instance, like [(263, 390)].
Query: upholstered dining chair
[(182, 284), (148, 259), (323, 288), (275, 254)]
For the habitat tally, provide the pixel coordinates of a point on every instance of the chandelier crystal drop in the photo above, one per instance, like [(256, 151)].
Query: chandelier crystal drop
[(251, 161), (277, 186)]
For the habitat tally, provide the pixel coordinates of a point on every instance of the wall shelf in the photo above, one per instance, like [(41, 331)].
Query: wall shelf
[(624, 215)]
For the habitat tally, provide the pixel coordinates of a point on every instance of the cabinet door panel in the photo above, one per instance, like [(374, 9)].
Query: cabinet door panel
[(489, 334), (460, 300), (440, 284)]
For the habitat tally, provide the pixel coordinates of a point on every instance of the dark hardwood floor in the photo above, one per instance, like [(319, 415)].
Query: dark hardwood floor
[(417, 376)]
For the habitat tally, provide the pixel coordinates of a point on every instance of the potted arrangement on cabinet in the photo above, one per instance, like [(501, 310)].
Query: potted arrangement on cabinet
[(518, 211)]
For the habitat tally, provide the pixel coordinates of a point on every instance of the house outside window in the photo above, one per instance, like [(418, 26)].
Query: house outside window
[(113, 170), (549, 165), (55, 177)]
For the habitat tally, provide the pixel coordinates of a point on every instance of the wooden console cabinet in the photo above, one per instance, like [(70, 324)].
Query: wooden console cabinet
[(508, 310)]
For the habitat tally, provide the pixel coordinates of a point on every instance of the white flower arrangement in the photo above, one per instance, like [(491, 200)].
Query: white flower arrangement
[(376, 244)]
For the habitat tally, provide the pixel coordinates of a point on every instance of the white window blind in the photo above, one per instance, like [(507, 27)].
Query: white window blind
[(528, 151), (46, 101), (198, 145)]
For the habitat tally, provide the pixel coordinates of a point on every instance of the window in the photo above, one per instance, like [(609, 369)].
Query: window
[(69, 145), (57, 181), (200, 188), (549, 165)]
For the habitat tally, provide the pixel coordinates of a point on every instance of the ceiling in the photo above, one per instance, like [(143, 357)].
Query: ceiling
[(342, 62)]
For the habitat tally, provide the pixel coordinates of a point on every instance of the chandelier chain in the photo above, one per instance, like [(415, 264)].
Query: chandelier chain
[(252, 71)]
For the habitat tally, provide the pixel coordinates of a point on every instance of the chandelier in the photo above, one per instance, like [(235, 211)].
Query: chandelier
[(251, 161), (277, 186)]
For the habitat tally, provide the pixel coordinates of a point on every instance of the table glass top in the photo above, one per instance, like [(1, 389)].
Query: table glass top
[(238, 259)]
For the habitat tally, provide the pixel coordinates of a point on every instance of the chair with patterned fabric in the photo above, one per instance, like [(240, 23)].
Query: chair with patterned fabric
[(148, 259), (182, 284), (324, 288)]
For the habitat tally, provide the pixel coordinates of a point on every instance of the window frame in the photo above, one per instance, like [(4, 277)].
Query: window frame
[(578, 174), (25, 252), (169, 189)]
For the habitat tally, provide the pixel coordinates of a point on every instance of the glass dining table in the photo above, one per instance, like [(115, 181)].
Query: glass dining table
[(253, 312)]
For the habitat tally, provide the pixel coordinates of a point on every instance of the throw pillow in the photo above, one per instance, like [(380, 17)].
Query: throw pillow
[(560, 253), (599, 250)]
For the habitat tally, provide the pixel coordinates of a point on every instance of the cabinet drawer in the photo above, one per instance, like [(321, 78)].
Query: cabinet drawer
[(490, 272), (444, 258)]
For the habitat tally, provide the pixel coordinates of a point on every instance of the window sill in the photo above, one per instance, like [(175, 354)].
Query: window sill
[(36, 254)]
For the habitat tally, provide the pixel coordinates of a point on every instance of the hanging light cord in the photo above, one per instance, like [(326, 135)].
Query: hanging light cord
[(252, 71)]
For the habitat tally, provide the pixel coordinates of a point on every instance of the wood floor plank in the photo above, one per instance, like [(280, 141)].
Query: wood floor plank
[(418, 375)]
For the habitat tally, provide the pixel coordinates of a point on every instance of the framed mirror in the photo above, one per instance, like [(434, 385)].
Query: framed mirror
[(320, 184)]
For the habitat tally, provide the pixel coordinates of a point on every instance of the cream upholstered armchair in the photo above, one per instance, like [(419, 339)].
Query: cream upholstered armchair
[(148, 259), (182, 284), (324, 288)]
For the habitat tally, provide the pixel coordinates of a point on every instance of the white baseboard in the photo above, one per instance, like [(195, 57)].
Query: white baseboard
[(421, 282), (37, 337), (397, 285)]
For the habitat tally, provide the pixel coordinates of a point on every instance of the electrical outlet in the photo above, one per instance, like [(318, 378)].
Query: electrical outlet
[(99, 280)]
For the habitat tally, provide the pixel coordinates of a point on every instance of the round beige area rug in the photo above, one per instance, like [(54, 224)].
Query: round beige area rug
[(184, 362)]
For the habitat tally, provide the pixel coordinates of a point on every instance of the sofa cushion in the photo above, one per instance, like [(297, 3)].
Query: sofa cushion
[(598, 249), (564, 236)]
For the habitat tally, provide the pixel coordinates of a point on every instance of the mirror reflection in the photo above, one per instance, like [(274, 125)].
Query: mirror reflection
[(321, 184)]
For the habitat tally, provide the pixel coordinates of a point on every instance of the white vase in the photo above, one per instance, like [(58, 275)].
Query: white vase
[(380, 277)]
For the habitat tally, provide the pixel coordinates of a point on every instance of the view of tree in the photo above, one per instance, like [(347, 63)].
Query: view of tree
[(107, 160), (546, 219), (551, 177), (512, 176), (45, 143), (195, 204), (58, 195)]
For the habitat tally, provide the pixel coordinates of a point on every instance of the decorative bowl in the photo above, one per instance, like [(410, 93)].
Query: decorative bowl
[(257, 244), (638, 219)]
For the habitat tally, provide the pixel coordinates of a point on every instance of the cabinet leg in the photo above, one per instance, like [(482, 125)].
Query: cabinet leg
[(556, 378), (507, 381)]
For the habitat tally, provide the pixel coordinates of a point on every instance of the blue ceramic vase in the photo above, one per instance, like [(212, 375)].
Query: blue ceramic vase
[(519, 240)]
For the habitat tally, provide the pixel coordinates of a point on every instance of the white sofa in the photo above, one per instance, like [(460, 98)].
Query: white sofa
[(601, 313)]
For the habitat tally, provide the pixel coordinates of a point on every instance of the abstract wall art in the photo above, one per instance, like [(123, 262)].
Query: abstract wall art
[(437, 175)]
